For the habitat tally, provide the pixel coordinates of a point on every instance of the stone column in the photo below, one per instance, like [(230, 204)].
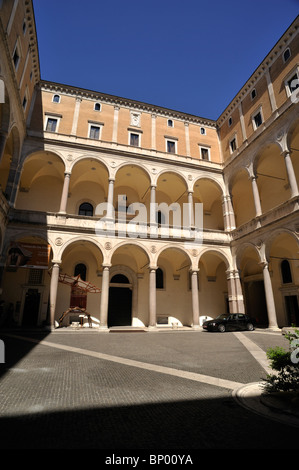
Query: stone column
[(76, 115), (291, 174), (154, 131), (195, 303), (256, 197), (153, 222), (152, 297), (53, 291), (110, 199), (230, 213), (190, 210), (269, 297), (65, 192), (104, 298), (235, 295)]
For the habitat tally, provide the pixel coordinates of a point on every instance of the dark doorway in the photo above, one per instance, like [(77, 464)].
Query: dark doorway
[(31, 308), (120, 306), (292, 309), (255, 300)]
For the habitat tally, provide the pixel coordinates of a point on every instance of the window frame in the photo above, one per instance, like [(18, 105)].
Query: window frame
[(17, 49), (170, 123), (231, 140), (54, 100), (54, 118), (169, 140), (283, 54), (136, 134), (95, 126), (290, 77), (257, 112), (204, 147), (97, 104)]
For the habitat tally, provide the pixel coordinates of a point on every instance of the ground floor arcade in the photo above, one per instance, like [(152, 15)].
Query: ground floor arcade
[(148, 283)]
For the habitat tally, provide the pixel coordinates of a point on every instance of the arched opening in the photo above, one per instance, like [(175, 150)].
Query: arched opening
[(88, 187), (253, 286), (41, 183), (209, 194), (283, 254), (120, 301), (171, 194), (80, 258), (213, 288), (25, 285), (173, 291), (272, 178), (242, 198)]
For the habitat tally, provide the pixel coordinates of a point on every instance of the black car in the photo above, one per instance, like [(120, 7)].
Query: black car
[(230, 322)]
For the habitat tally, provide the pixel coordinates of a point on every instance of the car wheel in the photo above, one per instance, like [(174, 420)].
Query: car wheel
[(221, 328), (249, 327)]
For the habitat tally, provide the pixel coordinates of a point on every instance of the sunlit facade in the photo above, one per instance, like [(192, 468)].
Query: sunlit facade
[(65, 152)]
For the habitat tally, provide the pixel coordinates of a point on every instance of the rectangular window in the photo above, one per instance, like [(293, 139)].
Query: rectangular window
[(51, 125), (170, 145), (94, 132), (258, 119), (134, 139), (293, 83), (233, 145), (204, 153)]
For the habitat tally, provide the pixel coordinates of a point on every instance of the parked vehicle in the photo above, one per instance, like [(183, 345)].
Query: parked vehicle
[(230, 322)]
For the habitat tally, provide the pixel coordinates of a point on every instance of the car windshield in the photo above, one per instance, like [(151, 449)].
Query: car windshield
[(224, 316)]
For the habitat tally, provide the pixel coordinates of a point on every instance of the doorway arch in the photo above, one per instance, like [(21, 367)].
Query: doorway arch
[(122, 296)]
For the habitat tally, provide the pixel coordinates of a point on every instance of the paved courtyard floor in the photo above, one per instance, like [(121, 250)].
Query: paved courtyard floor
[(167, 390)]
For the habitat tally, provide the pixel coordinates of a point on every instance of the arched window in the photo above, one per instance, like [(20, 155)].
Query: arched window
[(286, 272), (160, 217), (80, 268), (97, 107), (159, 279), (56, 99), (120, 279), (86, 209)]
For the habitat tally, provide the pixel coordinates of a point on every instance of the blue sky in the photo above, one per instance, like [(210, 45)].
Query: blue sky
[(187, 55)]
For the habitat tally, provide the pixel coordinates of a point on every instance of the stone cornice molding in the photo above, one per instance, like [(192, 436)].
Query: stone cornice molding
[(124, 102), (282, 43)]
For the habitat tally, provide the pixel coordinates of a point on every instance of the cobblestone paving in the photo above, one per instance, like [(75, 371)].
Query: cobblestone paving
[(56, 398)]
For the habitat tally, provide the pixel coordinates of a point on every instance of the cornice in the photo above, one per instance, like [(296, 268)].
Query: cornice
[(281, 44), (125, 102)]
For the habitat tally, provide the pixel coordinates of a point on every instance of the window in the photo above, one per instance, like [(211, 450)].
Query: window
[(51, 125), (286, 272), (94, 132), (233, 145), (293, 83), (16, 57), (24, 27), (202, 131), (86, 209), (170, 123), (286, 54), (56, 99), (170, 146), (257, 120), (80, 270), (253, 94), (204, 153), (134, 139), (97, 107), (230, 121), (159, 279), (24, 104)]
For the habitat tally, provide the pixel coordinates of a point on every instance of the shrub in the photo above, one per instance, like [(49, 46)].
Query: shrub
[(286, 363)]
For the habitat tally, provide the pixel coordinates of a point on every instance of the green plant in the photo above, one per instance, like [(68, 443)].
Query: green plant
[(286, 365)]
